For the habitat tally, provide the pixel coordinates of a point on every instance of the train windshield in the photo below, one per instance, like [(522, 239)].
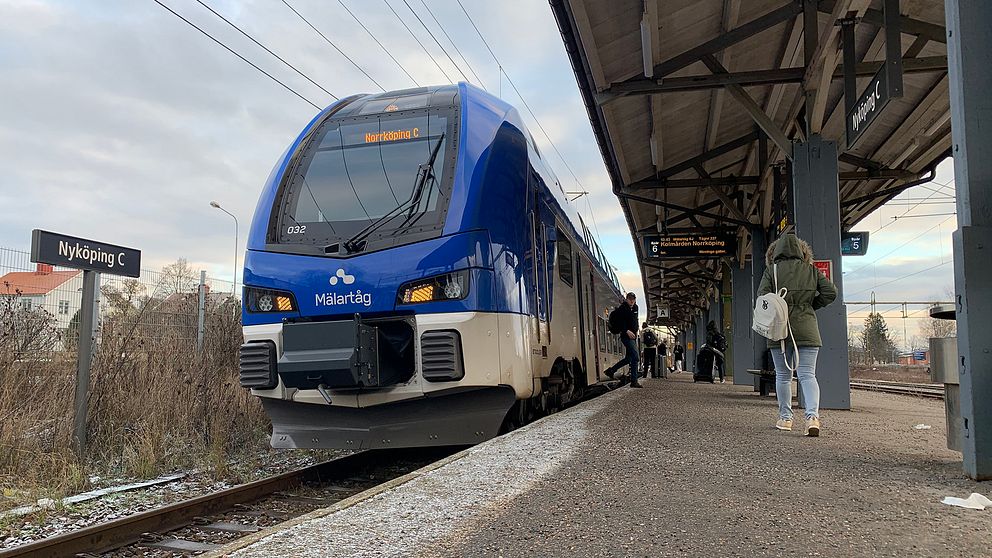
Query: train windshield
[(356, 170)]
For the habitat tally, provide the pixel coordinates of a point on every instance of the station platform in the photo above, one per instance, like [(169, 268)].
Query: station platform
[(675, 469)]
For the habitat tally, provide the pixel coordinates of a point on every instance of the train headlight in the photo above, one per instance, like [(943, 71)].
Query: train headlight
[(266, 300), (450, 286)]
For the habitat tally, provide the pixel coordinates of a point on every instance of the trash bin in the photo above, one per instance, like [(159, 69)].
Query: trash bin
[(944, 370)]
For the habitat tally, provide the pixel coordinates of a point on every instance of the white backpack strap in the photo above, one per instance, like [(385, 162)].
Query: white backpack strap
[(785, 355), (780, 292)]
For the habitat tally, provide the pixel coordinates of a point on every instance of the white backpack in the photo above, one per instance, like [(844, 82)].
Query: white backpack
[(771, 318)]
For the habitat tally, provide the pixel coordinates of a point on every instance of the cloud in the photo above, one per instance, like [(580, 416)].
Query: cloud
[(123, 122)]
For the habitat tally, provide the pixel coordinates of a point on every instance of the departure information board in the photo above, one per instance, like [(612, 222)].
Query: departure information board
[(691, 245)]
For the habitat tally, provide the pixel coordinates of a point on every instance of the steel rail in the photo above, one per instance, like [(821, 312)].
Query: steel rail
[(110, 535), (929, 391)]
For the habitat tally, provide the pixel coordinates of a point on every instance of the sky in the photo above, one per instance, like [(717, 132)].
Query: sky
[(120, 122)]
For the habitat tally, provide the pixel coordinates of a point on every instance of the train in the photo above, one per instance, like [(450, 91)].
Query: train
[(415, 275)]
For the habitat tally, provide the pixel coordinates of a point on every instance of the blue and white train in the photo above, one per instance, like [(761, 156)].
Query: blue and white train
[(415, 276)]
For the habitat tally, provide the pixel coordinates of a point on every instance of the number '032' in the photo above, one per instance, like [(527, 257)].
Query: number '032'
[(296, 229)]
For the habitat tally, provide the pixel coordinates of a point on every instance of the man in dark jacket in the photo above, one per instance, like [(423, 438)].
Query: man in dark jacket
[(717, 343), (628, 309), (650, 343), (678, 358)]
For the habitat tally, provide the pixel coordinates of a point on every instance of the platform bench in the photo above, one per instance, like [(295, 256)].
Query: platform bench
[(766, 380)]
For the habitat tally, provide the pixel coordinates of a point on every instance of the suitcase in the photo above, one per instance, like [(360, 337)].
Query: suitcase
[(703, 371)]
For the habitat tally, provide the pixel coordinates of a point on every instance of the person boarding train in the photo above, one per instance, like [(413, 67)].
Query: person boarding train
[(623, 322)]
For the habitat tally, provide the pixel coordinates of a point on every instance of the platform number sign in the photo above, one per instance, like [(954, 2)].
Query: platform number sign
[(854, 243)]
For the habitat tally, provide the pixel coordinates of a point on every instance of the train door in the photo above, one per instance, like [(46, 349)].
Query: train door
[(540, 277), (580, 302), (593, 317)]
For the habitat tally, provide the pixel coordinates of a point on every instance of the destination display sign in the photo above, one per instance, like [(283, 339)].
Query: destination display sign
[(392, 135), (691, 245), (854, 243), (80, 253), (868, 106)]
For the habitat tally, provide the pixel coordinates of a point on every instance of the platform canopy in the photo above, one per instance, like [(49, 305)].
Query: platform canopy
[(696, 105)]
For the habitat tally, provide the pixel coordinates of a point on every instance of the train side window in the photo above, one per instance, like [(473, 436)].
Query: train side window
[(601, 323), (565, 269)]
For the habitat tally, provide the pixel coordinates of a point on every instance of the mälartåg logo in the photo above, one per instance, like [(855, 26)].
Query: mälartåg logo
[(340, 299)]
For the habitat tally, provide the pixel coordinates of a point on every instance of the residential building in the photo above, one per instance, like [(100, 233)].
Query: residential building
[(57, 292)]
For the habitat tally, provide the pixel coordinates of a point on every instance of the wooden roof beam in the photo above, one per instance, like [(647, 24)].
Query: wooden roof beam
[(673, 183), (732, 37), (688, 211), (751, 108), (711, 154), (821, 65), (752, 78), (908, 25)]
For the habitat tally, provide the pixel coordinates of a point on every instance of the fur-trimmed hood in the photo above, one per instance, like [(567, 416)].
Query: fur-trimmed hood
[(789, 247)]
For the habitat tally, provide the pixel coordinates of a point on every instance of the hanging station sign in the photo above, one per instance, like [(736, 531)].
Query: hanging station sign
[(854, 243), (688, 246), (868, 106), (885, 85), (88, 255)]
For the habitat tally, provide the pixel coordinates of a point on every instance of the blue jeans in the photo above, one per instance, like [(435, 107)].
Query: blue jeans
[(806, 371), (632, 357)]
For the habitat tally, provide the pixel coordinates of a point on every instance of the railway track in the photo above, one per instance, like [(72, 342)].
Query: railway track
[(207, 522), (929, 391)]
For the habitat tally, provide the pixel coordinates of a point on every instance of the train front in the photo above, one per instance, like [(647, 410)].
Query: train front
[(367, 321)]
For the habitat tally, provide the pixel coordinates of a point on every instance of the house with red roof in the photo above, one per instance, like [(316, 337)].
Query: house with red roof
[(57, 292)]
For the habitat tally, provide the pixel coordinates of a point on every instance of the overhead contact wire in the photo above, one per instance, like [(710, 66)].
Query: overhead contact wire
[(232, 51), (330, 42), (455, 46), (384, 49), (266, 49), (526, 105), (412, 34), (439, 45)]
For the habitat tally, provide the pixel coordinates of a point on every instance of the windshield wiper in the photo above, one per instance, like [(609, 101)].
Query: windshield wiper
[(425, 172)]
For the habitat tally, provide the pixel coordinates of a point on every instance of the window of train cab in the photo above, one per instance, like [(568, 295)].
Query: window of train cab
[(565, 268), (361, 163)]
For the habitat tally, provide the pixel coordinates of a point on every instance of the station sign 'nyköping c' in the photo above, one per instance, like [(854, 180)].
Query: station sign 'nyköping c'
[(868, 106), (691, 245), (80, 253)]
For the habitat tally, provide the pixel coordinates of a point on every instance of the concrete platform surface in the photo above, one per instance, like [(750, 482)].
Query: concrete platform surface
[(675, 469)]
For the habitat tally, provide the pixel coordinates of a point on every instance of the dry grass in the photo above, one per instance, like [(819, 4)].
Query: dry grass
[(156, 403), (891, 373)]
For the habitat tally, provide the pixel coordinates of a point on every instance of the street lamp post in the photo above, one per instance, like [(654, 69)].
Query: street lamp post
[(234, 284)]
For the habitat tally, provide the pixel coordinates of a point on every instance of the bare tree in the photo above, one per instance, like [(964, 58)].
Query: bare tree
[(24, 332), (932, 327), (178, 277)]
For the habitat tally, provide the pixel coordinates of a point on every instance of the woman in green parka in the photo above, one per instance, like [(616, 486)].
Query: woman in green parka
[(808, 291)]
